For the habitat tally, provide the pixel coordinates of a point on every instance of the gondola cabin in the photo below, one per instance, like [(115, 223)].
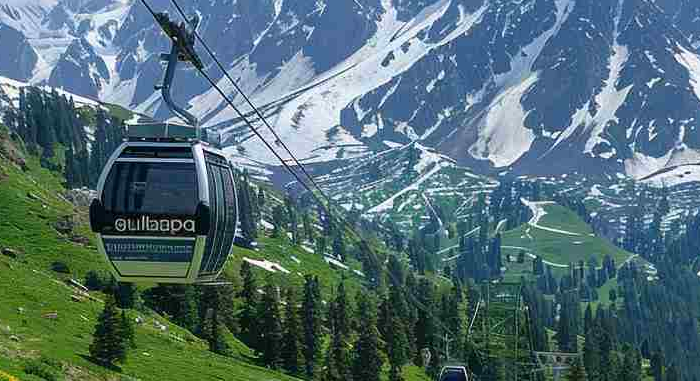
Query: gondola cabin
[(454, 373), (166, 209)]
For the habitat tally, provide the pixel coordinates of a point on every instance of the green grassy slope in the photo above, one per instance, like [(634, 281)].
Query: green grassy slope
[(31, 202), (174, 354), (280, 251), (561, 248)]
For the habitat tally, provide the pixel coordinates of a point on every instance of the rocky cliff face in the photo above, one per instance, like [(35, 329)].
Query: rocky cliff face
[(19, 58)]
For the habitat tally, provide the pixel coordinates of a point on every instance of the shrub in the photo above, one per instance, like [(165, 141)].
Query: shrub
[(44, 368), (60, 267), (95, 281)]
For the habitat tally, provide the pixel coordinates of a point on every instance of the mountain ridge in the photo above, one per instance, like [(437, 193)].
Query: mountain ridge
[(533, 88)]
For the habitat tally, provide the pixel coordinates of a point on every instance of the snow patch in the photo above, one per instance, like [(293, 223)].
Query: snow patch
[(335, 262), (272, 267)]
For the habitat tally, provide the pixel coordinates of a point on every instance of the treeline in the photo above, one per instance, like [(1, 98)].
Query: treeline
[(653, 312), (351, 337), (52, 127), (480, 256)]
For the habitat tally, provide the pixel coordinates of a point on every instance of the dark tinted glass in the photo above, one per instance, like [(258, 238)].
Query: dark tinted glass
[(222, 204), (454, 375), (157, 152), (151, 188)]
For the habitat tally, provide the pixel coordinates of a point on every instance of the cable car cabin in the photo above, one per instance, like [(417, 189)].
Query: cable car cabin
[(454, 373), (166, 212)]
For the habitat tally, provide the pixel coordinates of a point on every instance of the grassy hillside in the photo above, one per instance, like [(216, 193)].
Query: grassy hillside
[(561, 248), (174, 354), (32, 204)]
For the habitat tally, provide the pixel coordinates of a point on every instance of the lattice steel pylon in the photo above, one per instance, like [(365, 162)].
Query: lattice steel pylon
[(499, 329), (556, 361)]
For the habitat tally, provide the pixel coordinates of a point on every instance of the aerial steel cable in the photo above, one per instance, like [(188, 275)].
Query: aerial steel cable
[(327, 208), (250, 103)]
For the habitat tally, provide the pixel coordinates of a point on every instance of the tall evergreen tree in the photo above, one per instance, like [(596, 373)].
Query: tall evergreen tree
[(367, 361), (291, 342), (279, 221), (311, 309), (339, 245), (261, 199), (246, 211), (216, 339), (293, 220), (271, 328), (248, 320), (109, 345), (338, 359), (128, 332), (212, 327), (186, 314), (309, 234), (397, 345), (426, 328)]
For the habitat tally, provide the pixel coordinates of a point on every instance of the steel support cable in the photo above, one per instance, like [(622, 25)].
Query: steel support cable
[(349, 228), (249, 102)]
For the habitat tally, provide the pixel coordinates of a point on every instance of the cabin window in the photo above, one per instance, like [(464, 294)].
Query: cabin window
[(151, 189), (222, 204)]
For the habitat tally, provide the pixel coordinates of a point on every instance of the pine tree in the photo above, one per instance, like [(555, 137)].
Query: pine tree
[(108, 344), (291, 342), (248, 320), (211, 327), (99, 153), (246, 211), (293, 220), (308, 227), (338, 359), (70, 171), (367, 362), (217, 344), (261, 199), (426, 329), (128, 333), (321, 245), (397, 345), (564, 333), (126, 295), (271, 328), (311, 308), (339, 246), (279, 221), (591, 351), (186, 314)]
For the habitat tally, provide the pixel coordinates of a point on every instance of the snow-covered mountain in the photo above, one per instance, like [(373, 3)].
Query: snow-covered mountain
[(532, 87)]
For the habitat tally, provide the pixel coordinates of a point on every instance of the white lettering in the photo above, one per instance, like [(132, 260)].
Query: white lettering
[(120, 225), (145, 224), (175, 226)]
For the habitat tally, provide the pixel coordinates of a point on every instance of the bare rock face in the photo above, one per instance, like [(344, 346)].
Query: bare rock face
[(81, 197), (19, 58)]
